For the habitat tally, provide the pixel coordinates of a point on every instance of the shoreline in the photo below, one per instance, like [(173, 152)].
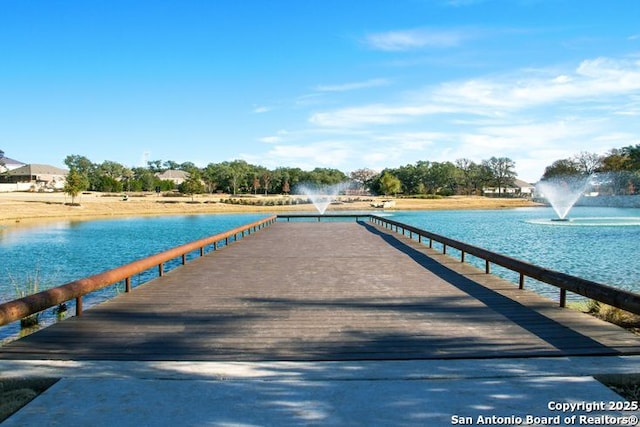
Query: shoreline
[(28, 208)]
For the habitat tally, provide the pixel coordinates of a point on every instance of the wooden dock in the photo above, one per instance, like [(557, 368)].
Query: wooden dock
[(324, 291)]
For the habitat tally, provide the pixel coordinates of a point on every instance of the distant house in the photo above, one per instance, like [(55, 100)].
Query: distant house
[(8, 164), (34, 178), (177, 176), (519, 188)]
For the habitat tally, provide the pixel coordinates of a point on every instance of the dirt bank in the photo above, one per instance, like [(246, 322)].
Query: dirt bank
[(17, 208)]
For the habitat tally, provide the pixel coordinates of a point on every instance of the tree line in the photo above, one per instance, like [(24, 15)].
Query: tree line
[(617, 172), (424, 177), (232, 177)]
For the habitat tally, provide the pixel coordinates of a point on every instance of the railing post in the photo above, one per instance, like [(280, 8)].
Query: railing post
[(127, 284), (487, 266), (161, 269), (521, 282), (462, 254), (79, 306), (563, 297), (444, 249)]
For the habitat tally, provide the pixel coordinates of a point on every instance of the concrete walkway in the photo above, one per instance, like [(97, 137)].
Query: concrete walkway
[(368, 393)]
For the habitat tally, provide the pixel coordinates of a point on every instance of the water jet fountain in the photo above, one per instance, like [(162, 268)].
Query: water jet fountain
[(321, 195), (562, 193)]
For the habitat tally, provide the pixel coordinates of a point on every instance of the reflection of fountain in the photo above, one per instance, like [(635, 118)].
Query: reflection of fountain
[(321, 195), (562, 193)]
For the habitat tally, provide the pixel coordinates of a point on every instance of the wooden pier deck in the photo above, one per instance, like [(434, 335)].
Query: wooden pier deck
[(324, 291)]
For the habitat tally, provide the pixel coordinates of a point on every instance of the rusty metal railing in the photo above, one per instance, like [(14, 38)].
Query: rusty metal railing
[(619, 298), (12, 311)]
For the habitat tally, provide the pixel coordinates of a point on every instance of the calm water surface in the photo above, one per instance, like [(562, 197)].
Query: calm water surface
[(59, 252), (603, 253)]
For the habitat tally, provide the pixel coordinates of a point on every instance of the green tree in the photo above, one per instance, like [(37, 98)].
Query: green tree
[(187, 167), (633, 154), (108, 184), (467, 169), (214, 176), (363, 177), (587, 163), (75, 183), (192, 185), (155, 166), (502, 171), (170, 165), (389, 184), (85, 167), (237, 170), (266, 177), (562, 167), (143, 180), (616, 160)]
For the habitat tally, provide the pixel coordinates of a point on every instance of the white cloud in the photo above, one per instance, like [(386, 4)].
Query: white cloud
[(270, 139), (261, 109), (596, 81), (404, 40), (332, 153), (411, 141), (376, 114), (531, 116), (352, 86), (592, 80), (273, 139)]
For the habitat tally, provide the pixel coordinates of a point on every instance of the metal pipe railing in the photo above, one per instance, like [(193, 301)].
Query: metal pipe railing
[(319, 217), (615, 297), (12, 311)]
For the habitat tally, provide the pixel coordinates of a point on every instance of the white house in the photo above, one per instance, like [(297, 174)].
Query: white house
[(177, 176), (519, 188), (34, 178), (8, 164)]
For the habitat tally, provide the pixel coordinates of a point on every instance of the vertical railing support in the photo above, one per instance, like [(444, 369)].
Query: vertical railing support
[(161, 269), (563, 297), (79, 306), (127, 284), (521, 282), (487, 266)]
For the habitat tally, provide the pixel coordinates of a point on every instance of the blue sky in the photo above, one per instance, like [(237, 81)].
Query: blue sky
[(311, 83)]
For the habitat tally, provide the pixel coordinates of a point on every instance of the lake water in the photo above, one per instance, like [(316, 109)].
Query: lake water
[(58, 252)]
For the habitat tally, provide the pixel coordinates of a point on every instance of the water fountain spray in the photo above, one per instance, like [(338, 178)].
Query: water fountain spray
[(563, 192), (321, 195)]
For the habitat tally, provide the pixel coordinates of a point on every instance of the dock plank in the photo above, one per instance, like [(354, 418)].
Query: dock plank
[(324, 291)]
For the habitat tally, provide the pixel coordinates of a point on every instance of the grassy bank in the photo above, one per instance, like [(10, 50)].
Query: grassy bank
[(18, 208)]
